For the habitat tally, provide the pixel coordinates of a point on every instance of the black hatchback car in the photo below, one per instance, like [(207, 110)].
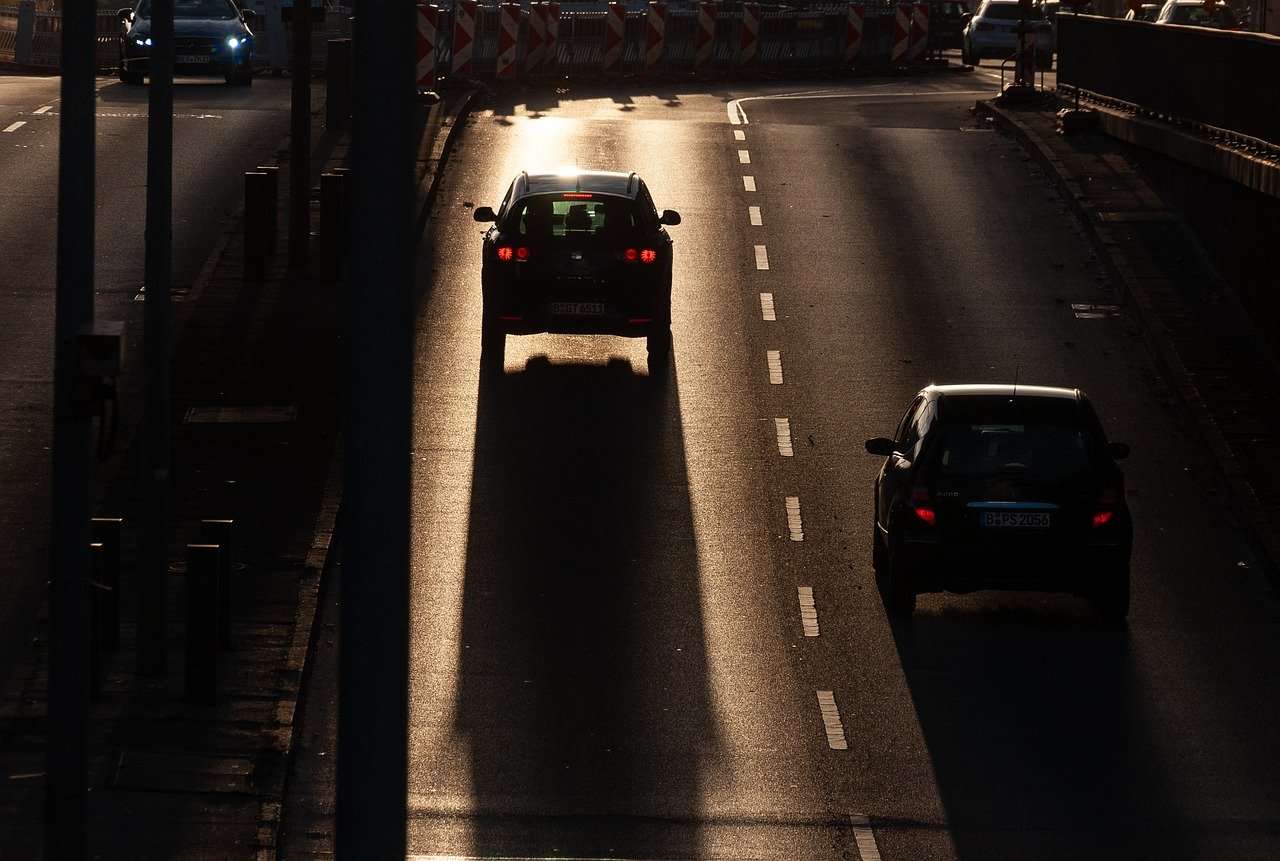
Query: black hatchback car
[(1001, 487), (581, 252), (210, 37)]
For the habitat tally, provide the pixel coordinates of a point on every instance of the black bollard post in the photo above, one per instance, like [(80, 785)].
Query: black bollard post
[(338, 84), (273, 218), (202, 624), (97, 591), (343, 227), (219, 532), (106, 531), (258, 205), (331, 216)]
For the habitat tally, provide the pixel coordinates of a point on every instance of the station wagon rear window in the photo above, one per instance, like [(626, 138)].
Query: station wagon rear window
[(572, 215)]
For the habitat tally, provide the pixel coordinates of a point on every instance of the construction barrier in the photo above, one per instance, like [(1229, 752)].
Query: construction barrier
[(901, 34), (508, 39), (919, 42), (614, 32), (853, 33), (655, 35), (428, 28), (464, 36), (749, 30), (706, 34)]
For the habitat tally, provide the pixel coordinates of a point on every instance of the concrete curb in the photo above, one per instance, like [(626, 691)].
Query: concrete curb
[(1244, 500)]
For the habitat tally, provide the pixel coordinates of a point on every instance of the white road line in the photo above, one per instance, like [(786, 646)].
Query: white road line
[(831, 720), (767, 312), (794, 524), (13, 128), (782, 427), (762, 258), (865, 839), (739, 135), (808, 611), (736, 116), (744, 157), (753, 212), (749, 183), (44, 110), (774, 360)]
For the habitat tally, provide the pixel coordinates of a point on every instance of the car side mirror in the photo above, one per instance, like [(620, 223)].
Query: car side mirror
[(1118, 450), (669, 216), (484, 213), (248, 16), (123, 14), (881, 446)]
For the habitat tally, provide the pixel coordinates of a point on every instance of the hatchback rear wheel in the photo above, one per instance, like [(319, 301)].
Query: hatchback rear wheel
[(1111, 596)]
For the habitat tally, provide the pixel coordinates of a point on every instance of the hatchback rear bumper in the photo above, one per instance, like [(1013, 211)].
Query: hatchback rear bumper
[(1082, 569)]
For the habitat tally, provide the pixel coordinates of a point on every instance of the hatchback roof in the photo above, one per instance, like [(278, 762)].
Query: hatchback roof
[(1006, 390), (599, 181)]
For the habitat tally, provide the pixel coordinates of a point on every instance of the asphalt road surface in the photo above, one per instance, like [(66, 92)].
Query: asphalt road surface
[(219, 132), (609, 657)]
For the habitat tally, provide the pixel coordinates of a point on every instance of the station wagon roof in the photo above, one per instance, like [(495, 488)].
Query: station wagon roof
[(598, 181)]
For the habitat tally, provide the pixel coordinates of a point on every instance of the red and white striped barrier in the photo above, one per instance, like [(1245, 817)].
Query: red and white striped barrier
[(704, 39), (508, 36), (853, 33), (428, 30), (552, 57), (615, 21), (536, 48), (901, 34), (655, 35), (919, 32), (464, 35), (749, 34)]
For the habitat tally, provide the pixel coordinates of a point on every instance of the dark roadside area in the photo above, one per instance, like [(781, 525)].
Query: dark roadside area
[(1193, 254), (256, 439)]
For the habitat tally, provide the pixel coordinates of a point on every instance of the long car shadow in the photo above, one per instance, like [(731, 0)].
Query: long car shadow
[(583, 679)]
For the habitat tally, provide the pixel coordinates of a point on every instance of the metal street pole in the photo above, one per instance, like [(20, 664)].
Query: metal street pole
[(66, 795), (373, 706), (300, 138), (158, 273)]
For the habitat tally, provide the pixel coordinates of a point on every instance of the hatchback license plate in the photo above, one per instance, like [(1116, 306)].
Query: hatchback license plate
[(192, 59), (1015, 520), (578, 309)]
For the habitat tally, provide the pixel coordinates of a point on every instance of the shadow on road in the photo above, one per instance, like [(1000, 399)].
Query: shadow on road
[(583, 678)]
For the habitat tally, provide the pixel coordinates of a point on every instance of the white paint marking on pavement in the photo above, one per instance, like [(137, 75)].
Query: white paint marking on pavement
[(794, 524), (739, 135), (753, 212), (831, 720), (744, 157), (782, 427), (774, 360), (13, 128), (808, 611), (749, 183), (767, 312), (44, 110), (864, 838), (762, 258), (736, 115)]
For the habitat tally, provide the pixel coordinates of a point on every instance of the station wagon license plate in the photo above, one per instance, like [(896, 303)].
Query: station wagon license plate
[(1015, 520), (578, 309), (192, 59)]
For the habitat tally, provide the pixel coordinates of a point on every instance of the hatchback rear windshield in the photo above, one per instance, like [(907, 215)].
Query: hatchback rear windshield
[(579, 215), (1035, 438)]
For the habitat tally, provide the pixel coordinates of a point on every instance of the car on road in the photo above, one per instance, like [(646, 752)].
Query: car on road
[(1001, 487), (577, 252), (1197, 13), (1146, 12), (946, 23), (210, 37), (992, 33)]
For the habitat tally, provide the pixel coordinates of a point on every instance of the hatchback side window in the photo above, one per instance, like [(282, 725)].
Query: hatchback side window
[(923, 421), (648, 214), (905, 437), (506, 202)]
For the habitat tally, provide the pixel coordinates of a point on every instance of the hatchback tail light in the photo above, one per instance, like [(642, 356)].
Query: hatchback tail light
[(644, 255), (922, 506), (506, 253), (1109, 501), (522, 253)]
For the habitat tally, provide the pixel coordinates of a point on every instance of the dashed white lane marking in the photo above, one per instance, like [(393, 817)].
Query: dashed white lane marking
[(749, 183), (831, 720), (762, 258), (753, 212), (767, 312), (794, 524), (773, 359), (744, 157), (13, 128), (739, 135), (864, 838), (782, 427), (808, 611), (44, 110)]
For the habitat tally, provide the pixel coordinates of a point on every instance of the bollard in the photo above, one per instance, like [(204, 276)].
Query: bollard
[(97, 591), (219, 532), (338, 84), (273, 171), (106, 531), (332, 190), (343, 226), (258, 207), (202, 624)]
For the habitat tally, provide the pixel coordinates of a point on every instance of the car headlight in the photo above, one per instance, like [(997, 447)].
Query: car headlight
[(233, 42), (143, 43)]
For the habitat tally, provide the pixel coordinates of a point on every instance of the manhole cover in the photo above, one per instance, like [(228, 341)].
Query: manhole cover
[(241, 415), (183, 772)]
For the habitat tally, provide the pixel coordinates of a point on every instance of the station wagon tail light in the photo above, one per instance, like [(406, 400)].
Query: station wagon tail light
[(648, 255), (922, 506), (506, 252)]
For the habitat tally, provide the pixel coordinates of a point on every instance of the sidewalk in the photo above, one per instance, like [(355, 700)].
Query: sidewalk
[(256, 439), (1208, 349)]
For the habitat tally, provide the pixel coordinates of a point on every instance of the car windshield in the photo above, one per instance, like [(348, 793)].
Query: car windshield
[(217, 9), (576, 214), (1037, 438), (1008, 12)]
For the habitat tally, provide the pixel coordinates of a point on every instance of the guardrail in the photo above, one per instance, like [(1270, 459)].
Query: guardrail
[(1223, 80), (32, 38)]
